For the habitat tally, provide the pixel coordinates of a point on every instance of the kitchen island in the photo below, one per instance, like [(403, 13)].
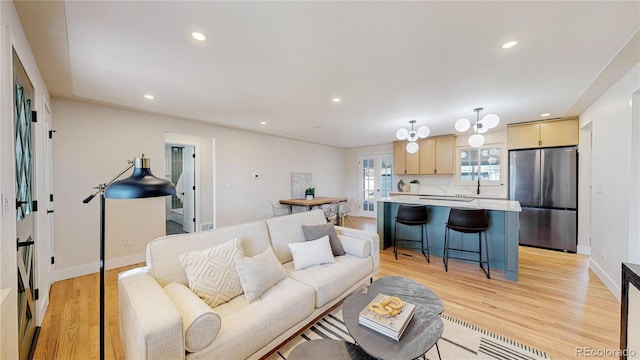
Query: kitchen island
[(502, 233)]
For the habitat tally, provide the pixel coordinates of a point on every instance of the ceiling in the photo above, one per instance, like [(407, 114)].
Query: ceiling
[(283, 63)]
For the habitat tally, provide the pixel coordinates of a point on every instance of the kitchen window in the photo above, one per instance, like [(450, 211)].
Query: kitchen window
[(485, 160)]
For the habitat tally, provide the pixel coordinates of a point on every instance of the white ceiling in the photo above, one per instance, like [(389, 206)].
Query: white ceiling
[(284, 62)]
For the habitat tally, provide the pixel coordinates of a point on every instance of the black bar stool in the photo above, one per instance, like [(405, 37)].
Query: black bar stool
[(468, 221), (412, 216)]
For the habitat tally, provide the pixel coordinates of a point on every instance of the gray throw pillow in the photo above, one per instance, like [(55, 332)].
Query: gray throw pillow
[(314, 232)]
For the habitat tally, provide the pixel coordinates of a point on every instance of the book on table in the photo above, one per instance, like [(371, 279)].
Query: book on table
[(390, 326)]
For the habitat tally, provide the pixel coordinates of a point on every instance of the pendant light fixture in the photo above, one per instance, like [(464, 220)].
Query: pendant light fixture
[(412, 136), (480, 127)]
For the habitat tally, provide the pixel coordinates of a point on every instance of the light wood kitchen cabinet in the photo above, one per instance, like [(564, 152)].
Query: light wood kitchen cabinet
[(404, 162), (437, 155), (561, 132)]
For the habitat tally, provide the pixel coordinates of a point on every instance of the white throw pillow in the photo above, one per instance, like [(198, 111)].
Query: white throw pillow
[(212, 272), (313, 252), (259, 273)]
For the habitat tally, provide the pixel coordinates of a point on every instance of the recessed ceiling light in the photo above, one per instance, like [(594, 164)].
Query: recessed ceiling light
[(199, 36), (509, 44), (336, 99), (149, 96), (263, 123), (545, 114)]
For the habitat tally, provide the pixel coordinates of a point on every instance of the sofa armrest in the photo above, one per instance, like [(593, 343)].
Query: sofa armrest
[(150, 324), (372, 237)]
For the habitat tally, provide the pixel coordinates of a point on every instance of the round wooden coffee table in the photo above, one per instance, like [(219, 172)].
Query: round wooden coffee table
[(421, 334)]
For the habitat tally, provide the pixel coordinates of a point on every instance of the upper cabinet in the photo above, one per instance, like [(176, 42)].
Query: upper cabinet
[(436, 156), (404, 162), (550, 133)]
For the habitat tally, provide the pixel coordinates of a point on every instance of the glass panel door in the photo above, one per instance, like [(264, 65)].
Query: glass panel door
[(25, 216), (375, 181)]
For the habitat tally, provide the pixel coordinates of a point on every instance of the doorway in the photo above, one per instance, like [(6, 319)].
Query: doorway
[(181, 170), (375, 181)]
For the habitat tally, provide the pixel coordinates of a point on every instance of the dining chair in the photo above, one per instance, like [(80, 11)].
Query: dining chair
[(280, 209), (344, 209)]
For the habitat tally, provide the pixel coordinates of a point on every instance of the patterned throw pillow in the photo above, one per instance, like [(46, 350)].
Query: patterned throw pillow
[(212, 272)]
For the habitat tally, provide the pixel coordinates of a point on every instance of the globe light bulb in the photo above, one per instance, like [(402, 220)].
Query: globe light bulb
[(412, 147), (463, 125), (476, 140), (402, 133)]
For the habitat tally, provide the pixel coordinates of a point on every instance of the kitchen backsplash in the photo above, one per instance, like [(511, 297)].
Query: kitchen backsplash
[(443, 185)]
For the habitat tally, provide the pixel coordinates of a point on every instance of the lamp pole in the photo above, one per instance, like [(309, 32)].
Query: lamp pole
[(100, 190), (141, 184)]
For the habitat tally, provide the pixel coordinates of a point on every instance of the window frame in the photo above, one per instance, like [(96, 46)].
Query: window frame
[(502, 164)]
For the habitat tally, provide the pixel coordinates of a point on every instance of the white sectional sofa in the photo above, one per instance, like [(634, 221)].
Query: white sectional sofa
[(161, 318)]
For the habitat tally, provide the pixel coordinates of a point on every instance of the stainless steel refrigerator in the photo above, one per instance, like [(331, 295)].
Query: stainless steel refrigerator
[(545, 182)]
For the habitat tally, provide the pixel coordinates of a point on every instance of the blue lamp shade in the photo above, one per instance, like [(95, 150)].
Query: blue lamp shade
[(141, 184)]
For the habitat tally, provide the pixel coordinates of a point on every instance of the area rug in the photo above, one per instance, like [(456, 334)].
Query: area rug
[(460, 340)]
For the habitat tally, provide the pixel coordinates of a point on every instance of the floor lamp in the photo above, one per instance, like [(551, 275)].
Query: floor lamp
[(141, 184)]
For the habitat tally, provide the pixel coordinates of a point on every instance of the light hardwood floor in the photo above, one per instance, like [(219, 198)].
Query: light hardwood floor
[(557, 305)]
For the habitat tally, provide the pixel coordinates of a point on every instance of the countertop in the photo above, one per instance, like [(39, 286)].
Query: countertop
[(465, 203)]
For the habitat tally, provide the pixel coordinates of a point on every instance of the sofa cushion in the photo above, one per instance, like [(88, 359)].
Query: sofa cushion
[(200, 323), (286, 229), (162, 253), (356, 247), (331, 280), (212, 272), (313, 232), (314, 252), (259, 273), (247, 327)]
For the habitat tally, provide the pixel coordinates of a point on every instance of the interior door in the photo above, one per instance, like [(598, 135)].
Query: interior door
[(375, 181), (25, 207), (189, 178)]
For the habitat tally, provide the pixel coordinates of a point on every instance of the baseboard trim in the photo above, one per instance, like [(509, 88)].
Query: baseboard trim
[(87, 269), (613, 287), (584, 250)]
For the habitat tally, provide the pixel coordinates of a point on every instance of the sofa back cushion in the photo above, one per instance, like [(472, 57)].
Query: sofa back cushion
[(163, 253), (286, 229)]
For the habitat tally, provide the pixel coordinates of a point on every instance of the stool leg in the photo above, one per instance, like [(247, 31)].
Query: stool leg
[(487, 271), (445, 253), (425, 237), (395, 242), (486, 250)]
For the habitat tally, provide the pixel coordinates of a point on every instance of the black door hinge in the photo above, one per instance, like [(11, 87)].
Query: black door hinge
[(50, 197), (36, 294), (194, 156), (51, 133), (34, 205), (34, 116), (194, 219), (194, 187), (53, 260)]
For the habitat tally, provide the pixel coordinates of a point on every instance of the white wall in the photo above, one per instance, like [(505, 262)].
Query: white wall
[(12, 37), (611, 119), (93, 143)]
